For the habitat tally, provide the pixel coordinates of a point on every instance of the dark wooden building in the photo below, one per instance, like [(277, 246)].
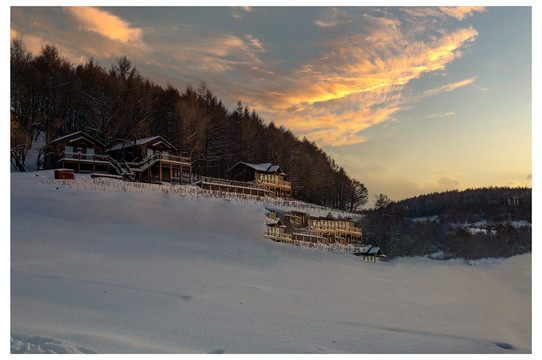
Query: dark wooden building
[(80, 152), (152, 160)]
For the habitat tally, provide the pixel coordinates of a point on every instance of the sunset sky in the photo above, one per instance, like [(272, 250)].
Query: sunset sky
[(409, 100)]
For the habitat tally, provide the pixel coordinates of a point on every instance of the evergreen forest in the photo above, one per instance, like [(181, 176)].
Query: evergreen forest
[(51, 97), (470, 224)]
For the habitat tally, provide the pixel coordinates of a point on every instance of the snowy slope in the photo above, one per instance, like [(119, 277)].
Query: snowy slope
[(108, 267)]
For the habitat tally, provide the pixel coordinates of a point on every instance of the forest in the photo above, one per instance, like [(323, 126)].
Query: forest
[(51, 97), (470, 224)]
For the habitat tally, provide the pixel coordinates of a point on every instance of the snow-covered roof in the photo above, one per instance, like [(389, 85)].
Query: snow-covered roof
[(82, 138), (373, 250), (263, 167), (81, 134), (146, 140), (273, 222), (141, 142), (275, 210)]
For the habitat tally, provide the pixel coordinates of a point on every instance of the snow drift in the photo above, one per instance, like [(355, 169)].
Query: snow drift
[(98, 265)]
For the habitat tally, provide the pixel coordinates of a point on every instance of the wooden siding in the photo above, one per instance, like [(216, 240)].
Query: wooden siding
[(79, 152), (301, 227), (275, 184)]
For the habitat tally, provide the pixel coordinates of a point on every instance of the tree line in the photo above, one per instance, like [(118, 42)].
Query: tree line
[(51, 97), (443, 223)]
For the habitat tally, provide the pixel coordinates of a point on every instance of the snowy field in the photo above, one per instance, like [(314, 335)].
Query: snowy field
[(103, 266)]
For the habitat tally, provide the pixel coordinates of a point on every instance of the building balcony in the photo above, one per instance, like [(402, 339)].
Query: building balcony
[(275, 183), (282, 237)]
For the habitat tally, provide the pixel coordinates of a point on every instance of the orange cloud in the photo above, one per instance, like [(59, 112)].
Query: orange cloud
[(449, 87), (335, 129), (236, 11), (349, 68), (461, 12), (105, 24), (357, 82), (458, 12), (13, 34)]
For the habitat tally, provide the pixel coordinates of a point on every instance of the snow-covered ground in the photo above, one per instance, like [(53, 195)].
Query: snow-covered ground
[(99, 265)]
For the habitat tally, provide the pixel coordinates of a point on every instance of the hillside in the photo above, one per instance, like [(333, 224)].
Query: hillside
[(111, 267), (471, 224), (496, 204)]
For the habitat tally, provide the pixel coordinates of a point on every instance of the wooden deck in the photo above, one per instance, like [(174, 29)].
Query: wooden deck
[(277, 188), (278, 237), (162, 167), (85, 162)]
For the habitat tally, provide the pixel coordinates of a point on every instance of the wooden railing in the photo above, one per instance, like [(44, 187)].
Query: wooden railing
[(231, 183), (350, 229), (130, 166), (83, 157), (274, 182), (151, 160), (307, 232), (277, 236), (93, 158)]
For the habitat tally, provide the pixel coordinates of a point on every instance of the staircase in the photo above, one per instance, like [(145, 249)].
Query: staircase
[(122, 169)]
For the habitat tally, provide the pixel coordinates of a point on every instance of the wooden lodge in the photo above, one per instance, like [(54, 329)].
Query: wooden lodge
[(299, 226), (152, 160), (334, 230), (147, 160), (270, 177), (80, 152)]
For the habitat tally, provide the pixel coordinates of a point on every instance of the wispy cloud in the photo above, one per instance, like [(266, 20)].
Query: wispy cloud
[(334, 17), (103, 23), (457, 12), (449, 87), (218, 54), (358, 79), (461, 12), (239, 11), (480, 87), (436, 116)]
